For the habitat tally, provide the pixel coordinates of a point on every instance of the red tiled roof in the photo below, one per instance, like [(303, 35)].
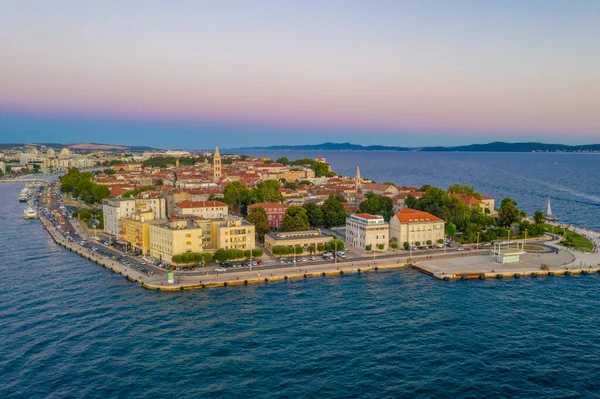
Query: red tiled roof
[(200, 204), (467, 199), (407, 215)]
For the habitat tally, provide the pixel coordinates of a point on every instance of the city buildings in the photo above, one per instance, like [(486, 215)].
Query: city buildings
[(114, 209), (135, 230), (363, 230), (413, 226)]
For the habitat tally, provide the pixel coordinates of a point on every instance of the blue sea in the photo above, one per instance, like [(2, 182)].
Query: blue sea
[(71, 329)]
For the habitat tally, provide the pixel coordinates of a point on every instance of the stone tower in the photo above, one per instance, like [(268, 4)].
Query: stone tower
[(357, 180), (216, 165)]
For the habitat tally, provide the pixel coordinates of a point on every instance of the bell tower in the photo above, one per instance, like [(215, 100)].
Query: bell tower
[(216, 165)]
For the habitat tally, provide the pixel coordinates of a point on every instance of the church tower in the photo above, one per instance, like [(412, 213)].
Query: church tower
[(216, 165), (357, 180)]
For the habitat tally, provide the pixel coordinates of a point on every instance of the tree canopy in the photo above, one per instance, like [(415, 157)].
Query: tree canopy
[(295, 219), (334, 213), (377, 205), (81, 186), (258, 217)]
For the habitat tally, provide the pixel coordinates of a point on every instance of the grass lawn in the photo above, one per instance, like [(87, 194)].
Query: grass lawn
[(572, 239)]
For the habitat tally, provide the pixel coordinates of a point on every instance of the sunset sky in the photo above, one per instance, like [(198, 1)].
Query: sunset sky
[(184, 74)]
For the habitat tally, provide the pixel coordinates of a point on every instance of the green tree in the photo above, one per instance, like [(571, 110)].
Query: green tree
[(429, 242), (283, 160), (418, 243), (334, 213), (220, 255), (538, 217), (295, 219), (290, 185), (337, 244), (450, 229), (321, 169), (177, 259), (159, 182), (368, 248), (109, 172), (381, 247), (509, 213), (237, 196), (257, 252), (314, 213), (258, 217), (266, 191), (298, 250), (311, 249), (207, 257), (406, 245), (410, 202)]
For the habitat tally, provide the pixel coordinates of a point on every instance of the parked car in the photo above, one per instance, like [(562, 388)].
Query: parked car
[(220, 269)]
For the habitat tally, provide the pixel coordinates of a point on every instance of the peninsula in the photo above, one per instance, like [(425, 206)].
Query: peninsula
[(174, 220)]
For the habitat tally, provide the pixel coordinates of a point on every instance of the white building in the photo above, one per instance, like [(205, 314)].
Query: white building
[(116, 208), (363, 229)]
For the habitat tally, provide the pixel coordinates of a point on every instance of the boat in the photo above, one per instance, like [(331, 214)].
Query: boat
[(30, 213), (24, 195), (549, 216)]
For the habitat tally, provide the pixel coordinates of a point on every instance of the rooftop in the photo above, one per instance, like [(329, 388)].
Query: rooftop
[(408, 215)]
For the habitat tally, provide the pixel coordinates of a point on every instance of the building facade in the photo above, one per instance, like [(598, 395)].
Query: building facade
[(363, 230), (304, 239), (205, 209), (416, 227), (114, 209), (136, 231), (175, 238)]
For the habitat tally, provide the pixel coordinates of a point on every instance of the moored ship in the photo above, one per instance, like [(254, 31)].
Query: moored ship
[(23, 195), (30, 213)]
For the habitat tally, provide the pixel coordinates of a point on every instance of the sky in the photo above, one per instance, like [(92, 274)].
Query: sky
[(194, 74)]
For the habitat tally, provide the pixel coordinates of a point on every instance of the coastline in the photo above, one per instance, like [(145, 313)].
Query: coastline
[(421, 263)]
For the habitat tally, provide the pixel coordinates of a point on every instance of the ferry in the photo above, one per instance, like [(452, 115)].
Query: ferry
[(24, 194), (30, 213)]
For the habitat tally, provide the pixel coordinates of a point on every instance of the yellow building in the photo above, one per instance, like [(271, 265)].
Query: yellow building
[(234, 233), (416, 227), (194, 234), (136, 230), (174, 238), (294, 239)]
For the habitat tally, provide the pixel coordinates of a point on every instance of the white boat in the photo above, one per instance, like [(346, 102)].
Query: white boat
[(30, 213), (24, 195), (549, 216)]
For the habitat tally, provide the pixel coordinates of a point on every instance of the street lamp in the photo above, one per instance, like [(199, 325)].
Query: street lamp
[(335, 252)]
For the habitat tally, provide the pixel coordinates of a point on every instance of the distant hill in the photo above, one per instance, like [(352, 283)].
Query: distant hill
[(82, 146), (490, 147)]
